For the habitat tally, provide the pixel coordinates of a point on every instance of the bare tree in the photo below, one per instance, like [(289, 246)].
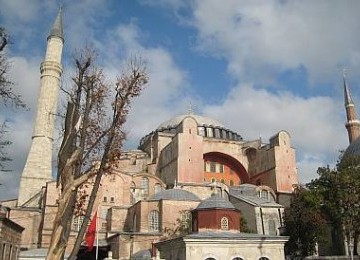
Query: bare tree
[(93, 137), (4, 142), (7, 94), (7, 97)]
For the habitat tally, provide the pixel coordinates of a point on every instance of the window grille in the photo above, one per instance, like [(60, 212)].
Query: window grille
[(153, 220), (224, 223)]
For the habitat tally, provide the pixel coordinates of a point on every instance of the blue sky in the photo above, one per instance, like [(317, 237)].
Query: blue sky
[(257, 66)]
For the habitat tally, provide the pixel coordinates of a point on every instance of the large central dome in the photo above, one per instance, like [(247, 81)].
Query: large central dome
[(201, 121), (207, 127)]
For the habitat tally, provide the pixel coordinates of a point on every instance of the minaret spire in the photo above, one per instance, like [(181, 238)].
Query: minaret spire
[(38, 166), (57, 29), (352, 124)]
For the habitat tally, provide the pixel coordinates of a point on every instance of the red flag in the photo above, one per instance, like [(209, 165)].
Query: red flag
[(90, 233)]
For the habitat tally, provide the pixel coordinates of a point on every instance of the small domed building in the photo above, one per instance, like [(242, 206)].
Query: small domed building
[(216, 235)]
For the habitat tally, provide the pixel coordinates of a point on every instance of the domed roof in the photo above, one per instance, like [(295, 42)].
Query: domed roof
[(144, 254), (201, 120), (353, 150), (175, 194), (215, 202)]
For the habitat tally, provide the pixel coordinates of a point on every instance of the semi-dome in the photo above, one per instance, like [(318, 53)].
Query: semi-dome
[(215, 202), (201, 121), (175, 194)]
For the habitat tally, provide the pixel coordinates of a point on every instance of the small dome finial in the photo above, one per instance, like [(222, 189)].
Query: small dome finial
[(190, 109)]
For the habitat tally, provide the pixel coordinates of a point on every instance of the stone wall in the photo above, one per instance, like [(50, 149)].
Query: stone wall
[(10, 239)]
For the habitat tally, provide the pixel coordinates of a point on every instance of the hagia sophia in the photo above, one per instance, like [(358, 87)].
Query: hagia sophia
[(184, 193)]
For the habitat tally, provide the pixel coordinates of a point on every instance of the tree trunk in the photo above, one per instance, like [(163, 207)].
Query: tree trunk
[(87, 217), (61, 228)]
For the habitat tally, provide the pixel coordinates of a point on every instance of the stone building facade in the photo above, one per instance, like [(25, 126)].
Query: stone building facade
[(10, 238)]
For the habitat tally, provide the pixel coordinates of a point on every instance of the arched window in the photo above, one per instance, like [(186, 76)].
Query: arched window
[(134, 227), (213, 180), (157, 188), (132, 193), (231, 183), (217, 132), (272, 227), (186, 221), (132, 198), (209, 132), (264, 194), (263, 258), (221, 168), (77, 222), (212, 166), (237, 258), (201, 130), (224, 223), (210, 258), (145, 186), (222, 181), (153, 219)]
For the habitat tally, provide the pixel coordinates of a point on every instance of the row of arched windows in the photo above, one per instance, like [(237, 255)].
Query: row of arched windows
[(239, 258), (144, 185), (217, 132)]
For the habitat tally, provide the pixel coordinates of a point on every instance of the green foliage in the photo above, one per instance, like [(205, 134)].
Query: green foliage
[(339, 192), (244, 226), (304, 223)]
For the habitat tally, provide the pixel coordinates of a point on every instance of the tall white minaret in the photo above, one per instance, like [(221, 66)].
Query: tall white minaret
[(38, 167)]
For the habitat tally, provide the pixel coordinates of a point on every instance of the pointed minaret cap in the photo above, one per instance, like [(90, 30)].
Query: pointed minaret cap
[(57, 29), (347, 95)]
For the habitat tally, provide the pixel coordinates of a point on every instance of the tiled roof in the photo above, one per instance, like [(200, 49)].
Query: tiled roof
[(142, 255), (175, 194), (215, 201), (253, 199), (57, 29), (201, 120)]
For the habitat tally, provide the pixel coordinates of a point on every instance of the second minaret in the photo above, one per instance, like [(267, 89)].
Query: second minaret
[(38, 167)]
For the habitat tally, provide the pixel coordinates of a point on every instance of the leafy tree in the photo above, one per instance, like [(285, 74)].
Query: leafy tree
[(339, 191), (304, 223), (244, 228), (93, 137)]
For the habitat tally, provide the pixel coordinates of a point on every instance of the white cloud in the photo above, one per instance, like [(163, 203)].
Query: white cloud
[(167, 90), (263, 38)]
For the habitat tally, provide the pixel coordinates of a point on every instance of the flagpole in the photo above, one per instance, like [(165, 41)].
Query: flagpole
[(97, 234)]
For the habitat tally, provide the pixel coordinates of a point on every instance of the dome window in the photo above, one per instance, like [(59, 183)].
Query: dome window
[(224, 223)]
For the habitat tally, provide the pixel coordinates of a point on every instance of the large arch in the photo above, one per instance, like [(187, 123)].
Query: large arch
[(226, 166)]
